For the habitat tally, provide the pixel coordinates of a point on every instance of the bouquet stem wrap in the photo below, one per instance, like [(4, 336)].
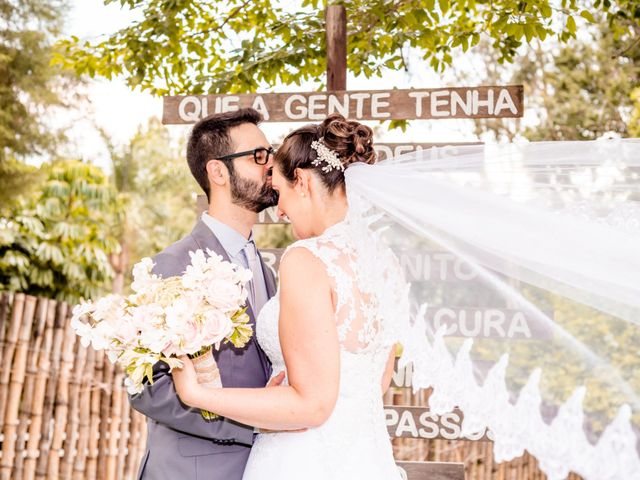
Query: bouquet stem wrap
[(208, 374)]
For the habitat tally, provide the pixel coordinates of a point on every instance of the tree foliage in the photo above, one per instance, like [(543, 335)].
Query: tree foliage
[(57, 244), (634, 122), (27, 80), (578, 91), (15, 177), (29, 88), (158, 193), (239, 45)]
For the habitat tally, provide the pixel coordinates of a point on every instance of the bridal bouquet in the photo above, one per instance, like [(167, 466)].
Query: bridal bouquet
[(166, 318)]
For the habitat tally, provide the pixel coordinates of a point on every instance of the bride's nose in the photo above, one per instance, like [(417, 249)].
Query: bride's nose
[(282, 215)]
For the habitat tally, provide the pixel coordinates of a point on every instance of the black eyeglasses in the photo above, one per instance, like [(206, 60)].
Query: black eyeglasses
[(260, 155)]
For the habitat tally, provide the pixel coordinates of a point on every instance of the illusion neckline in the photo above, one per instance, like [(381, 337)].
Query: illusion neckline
[(335, 227)]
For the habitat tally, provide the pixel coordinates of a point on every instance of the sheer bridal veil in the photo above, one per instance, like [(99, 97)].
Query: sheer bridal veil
[(524, 271)]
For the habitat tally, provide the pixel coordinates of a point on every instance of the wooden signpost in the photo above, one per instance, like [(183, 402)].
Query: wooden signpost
[(430, 103), (419, 422), (336, 36), (396, 104), (430, 151), (431, 470)]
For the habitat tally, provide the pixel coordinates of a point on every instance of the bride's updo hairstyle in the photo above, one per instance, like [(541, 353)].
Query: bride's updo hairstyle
[(350, 140)]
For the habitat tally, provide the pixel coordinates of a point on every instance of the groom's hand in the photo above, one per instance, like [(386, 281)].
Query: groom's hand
[(276, 382)]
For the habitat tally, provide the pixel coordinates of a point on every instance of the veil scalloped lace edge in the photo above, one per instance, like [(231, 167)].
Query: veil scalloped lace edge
[(560, 447)]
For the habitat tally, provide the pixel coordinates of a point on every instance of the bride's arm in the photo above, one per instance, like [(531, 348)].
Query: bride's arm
[(309, 341), (388, 371)]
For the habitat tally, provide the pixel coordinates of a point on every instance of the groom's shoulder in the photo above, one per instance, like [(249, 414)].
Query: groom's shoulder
[(174, 259)]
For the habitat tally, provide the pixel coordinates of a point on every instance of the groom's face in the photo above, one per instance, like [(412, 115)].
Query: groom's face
[(250, 183)]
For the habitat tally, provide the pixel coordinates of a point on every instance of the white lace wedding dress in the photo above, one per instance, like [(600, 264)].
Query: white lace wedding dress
[(370, 291)]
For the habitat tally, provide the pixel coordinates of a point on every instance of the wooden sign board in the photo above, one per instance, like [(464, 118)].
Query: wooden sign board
[(432, 103), (476, 322), (271, 257), (403, 377), (432, 151), (419, 422), (424, 266), (486, 322), (431, 470), (417, 266)]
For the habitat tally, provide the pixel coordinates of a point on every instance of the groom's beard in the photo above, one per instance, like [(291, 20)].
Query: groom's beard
[(252, 195)]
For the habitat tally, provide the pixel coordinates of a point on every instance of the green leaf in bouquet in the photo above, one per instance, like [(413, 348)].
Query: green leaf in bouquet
[(239, 314), (149, 373), (242, 331), (207, 415)]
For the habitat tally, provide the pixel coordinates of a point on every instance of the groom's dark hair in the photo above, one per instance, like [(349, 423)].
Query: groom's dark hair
[(209, 139)]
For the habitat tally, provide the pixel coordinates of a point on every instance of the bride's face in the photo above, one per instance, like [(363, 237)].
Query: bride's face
[(294, 202)]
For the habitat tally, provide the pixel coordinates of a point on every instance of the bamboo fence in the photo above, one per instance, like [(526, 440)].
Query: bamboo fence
[(63, 408), (65, 415)]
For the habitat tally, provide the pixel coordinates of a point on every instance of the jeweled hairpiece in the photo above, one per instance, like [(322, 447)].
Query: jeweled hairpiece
[(326, 155)]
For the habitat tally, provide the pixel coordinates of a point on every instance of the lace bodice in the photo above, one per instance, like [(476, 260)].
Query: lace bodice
[(368, 283), (370, 295)]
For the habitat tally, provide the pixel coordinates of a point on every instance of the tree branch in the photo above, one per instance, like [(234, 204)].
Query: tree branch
[(230, 17)]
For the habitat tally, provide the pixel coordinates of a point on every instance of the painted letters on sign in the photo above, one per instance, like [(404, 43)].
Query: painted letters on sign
[(433, 103), (419, 422), (486, 322)]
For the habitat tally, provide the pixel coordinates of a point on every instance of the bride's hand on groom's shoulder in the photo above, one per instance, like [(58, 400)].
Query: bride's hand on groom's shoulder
[(185, 381)]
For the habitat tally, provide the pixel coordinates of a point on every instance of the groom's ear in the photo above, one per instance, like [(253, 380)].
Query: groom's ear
[(217, 172)]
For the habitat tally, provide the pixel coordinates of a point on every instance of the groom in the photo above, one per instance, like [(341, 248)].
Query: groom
[(230, 158)]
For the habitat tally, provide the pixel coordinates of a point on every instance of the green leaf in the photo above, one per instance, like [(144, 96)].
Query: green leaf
[(149, 373), (529, 31), (175, 47), (586, 14), (542, 32), (401, 124)]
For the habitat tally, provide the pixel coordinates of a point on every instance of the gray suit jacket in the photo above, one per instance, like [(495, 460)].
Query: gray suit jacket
[(180, 443)]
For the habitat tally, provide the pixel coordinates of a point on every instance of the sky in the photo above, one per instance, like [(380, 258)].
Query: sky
[(120, 111), (109, 100)]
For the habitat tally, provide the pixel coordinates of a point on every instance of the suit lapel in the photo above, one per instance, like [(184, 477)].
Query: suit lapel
[(206, 239), (269, 279)]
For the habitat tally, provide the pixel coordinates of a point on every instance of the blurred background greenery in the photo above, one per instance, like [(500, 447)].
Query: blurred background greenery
[(70, 228)]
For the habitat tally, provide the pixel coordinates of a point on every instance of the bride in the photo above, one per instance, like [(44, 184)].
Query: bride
[(332, 326), (522, 309)]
